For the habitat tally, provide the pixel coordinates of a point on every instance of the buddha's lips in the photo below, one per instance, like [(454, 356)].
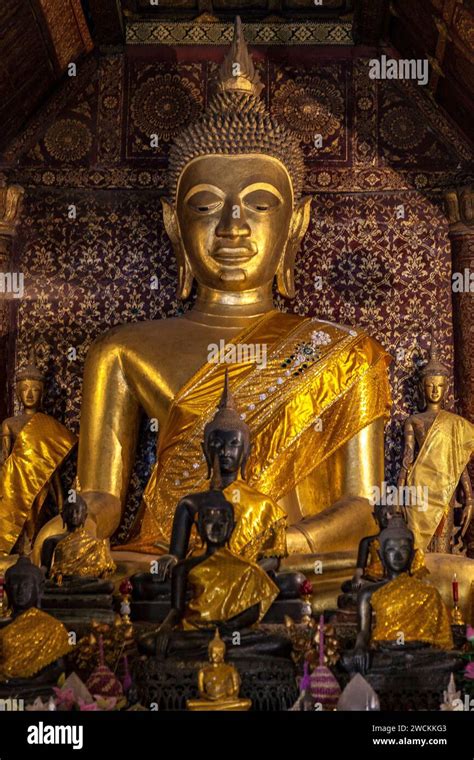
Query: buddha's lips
[(233, 256)]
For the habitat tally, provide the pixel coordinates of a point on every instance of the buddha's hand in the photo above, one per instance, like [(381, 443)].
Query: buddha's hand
[(356, 581), (162, 639), (164, 566), (360, 660)]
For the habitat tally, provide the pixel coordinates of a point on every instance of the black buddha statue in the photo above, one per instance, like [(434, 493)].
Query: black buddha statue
[(228, 592), (78, 565), (33, 644), (409, 612), (260, 524)]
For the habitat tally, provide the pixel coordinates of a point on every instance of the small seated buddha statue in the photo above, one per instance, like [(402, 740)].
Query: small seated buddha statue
[(76, 554), (33, 644), (218, 683), (260, 524), (407, 609), (228, 592), (369, 566)]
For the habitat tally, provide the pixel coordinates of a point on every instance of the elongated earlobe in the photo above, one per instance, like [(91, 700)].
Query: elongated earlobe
[(286, 267), (185, 273)]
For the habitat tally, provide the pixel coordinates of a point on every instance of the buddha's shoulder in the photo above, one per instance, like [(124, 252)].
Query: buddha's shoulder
[(151, 329)]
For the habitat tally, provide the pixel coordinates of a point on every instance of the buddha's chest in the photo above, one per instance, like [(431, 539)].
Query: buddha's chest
[(421, 427)]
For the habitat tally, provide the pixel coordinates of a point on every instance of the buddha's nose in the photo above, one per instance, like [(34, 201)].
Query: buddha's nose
[(232, 223)]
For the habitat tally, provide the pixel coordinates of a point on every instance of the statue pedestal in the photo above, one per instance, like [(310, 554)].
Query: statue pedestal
[(80, 603), (270, 682), (411, 678)]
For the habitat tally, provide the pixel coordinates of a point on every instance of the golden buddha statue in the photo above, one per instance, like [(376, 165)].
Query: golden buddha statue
[(78, 554), (445, 443), (218, 683), (315, 406), (33, 447)]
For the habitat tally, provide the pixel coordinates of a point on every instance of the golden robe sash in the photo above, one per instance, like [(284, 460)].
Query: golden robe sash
[(31, 642), (414, 608), (225, 585), (39, 449), (78, 553), (444, 454), (260, 524), (321, 385)]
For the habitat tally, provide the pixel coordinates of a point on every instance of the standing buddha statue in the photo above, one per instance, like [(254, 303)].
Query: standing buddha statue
[(315, 407), (33, 447), (445, 443)]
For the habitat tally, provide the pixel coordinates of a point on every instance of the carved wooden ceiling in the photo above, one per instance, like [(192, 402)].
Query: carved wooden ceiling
[(39, 37)]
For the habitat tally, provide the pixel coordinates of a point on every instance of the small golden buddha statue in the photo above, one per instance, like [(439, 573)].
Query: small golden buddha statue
[(314, 394), (78, 554), (218, 683), (33, 447), (445, 443)]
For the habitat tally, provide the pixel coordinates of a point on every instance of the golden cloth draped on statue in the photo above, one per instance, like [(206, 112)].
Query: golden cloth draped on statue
[(292, 405), (31, 642), (444, 454), (78, 553), (414, 608), (224, 586), (260, 524), (38, 451)]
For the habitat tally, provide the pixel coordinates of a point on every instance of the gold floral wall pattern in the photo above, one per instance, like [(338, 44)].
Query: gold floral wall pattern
[(376, 254)]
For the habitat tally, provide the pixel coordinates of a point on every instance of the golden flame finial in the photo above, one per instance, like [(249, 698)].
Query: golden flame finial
[(237, 72)]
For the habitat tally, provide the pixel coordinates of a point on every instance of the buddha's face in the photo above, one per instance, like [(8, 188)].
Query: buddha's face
[(216, 654), (434, 387), (397, 554), (30, 393), (229, 445), (234, 215), (74, 514), (23, 592), (216, 525)]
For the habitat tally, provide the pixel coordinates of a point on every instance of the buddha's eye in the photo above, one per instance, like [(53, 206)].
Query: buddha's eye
[(204, 202), (261, 201)]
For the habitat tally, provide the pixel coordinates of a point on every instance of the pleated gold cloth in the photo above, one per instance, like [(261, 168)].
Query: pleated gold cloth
[(31, 642), (78, 553), (414, 608), (39, 449), (299, 415), (225, 585), (441, 460)]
